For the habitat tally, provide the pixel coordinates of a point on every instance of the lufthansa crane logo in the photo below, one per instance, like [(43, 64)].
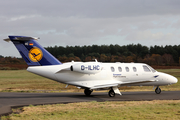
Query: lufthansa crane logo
[(35, 54)]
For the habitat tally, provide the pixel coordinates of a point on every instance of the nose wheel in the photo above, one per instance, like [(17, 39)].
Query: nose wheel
[(158, 90)]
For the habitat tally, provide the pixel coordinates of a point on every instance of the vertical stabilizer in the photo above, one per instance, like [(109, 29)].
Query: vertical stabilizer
[(32, 52)]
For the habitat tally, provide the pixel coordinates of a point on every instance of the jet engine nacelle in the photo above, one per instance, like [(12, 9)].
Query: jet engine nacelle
[(87, 67)]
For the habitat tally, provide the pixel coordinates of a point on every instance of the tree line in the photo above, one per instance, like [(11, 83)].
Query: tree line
[(11, 60), (153, 55)]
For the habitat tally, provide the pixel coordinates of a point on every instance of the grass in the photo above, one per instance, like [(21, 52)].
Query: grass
[(24, 81), (158, 109)]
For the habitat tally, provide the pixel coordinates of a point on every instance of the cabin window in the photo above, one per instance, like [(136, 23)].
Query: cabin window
[(134, 69), (120, 69), (146, 69), (112, 69), (127, 69)]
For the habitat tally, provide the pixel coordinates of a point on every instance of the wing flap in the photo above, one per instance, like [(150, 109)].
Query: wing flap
[(104, 86)]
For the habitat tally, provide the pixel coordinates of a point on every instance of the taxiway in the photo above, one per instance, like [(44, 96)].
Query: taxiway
[(14, 100)]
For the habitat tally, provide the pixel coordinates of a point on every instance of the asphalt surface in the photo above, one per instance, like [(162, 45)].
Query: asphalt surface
[(14, 100)]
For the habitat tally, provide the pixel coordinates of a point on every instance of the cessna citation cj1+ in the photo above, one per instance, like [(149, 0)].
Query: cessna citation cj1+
[(88, 75)]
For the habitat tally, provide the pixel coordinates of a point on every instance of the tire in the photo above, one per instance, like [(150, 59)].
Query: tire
[(87, 92), (111, 93), (158, 90)]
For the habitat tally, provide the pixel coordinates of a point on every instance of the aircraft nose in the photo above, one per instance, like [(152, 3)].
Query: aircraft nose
[(171, 79), (174, 80), (168, 78)]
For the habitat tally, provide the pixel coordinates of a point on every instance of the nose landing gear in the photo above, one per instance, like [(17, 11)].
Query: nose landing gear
[(158, 90)]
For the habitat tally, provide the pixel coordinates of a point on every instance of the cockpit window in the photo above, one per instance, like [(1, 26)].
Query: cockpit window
[(146, 69), (127, 69), (152, 69), (120, 69), (112, 69)]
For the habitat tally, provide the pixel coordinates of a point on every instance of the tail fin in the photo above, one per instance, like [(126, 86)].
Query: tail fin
[(32, 52)]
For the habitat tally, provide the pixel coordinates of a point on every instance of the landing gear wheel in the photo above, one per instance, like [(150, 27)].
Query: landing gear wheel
[(158, 90), (111, 93), (87, 92)]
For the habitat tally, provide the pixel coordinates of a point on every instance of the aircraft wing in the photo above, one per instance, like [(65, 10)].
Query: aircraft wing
[(114, 83), (106, 83), (136, 82), (96, 84)]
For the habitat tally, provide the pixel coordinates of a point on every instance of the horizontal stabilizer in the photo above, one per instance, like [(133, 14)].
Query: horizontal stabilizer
[(20, 38)]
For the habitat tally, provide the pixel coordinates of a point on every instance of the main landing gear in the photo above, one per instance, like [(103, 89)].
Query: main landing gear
[(87, 91), (158, 90), (111, 93)]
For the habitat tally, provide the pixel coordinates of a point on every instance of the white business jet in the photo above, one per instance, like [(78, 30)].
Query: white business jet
[(88, 75)]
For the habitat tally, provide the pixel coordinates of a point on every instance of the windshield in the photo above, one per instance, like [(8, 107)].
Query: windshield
[(152, 69)]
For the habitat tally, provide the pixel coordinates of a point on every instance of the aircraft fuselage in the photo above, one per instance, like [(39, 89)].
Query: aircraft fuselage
[(123, 74)]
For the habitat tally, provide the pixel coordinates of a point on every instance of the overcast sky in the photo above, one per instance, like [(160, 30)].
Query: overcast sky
[(88, 22)]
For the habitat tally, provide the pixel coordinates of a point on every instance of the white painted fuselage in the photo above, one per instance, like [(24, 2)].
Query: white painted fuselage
[(108, 75)]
